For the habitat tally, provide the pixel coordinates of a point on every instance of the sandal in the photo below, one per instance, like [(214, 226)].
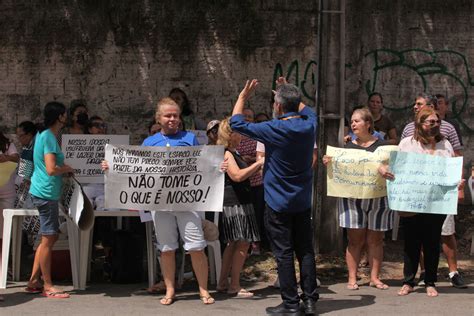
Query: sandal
[(242, 293), (352, 287), (55, 294), (405, 290), (380, 286), (167, 300), (207, 300), (157, 288), (33, 290), (431, 291)]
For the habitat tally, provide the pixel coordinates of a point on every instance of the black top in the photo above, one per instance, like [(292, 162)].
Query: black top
[(236, 193)]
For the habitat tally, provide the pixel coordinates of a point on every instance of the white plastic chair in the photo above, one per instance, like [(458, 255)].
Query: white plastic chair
[(12, 236), (214, 256)]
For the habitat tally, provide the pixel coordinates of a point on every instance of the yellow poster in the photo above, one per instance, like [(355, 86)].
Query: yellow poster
[(353, 173), (6, 170)]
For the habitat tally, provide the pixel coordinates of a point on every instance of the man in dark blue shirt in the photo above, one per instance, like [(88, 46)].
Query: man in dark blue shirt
[(288, 141)]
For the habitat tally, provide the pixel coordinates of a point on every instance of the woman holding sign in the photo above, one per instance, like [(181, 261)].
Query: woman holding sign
[(238, 223), (422, 229), (366, 220), (167, 224), (45, 190)]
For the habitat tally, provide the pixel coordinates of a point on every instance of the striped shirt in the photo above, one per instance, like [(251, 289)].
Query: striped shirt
[(446, 129)]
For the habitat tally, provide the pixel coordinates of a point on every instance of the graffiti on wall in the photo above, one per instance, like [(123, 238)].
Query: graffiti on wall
[(307, 83), (430, 68)]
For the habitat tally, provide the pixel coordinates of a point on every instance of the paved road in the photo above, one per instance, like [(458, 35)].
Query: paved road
[(115, 299)]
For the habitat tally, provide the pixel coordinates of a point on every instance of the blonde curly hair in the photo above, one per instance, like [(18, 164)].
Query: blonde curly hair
[(224, 132)]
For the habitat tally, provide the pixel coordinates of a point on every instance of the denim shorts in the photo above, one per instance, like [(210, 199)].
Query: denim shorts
[(48, 215)]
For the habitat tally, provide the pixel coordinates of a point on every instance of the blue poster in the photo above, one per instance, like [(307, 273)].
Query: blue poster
[(424, 183)]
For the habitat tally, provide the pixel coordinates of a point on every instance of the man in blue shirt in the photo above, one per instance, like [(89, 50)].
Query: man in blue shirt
[(288, 179)]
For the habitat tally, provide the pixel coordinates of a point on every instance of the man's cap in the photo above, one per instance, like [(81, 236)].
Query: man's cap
[(212, 124)]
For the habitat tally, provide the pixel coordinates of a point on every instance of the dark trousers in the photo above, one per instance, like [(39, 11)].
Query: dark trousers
[(293, 233), (422, 230)]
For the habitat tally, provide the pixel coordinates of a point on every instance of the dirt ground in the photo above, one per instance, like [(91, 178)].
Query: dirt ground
[(332, 269)]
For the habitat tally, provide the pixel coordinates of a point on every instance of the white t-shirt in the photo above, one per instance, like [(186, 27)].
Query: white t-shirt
[(443, 148), (8, 190)]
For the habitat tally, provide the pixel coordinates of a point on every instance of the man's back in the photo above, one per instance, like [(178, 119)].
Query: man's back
[(288, 144)]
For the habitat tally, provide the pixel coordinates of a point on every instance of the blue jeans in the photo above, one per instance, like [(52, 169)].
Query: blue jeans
[(48, 215), (293, 233)]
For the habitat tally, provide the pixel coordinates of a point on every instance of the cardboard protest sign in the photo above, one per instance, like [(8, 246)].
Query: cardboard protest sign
[(76, 204), (424, 183), (85, 153), (164, 178), (353, 173), (6, 171)]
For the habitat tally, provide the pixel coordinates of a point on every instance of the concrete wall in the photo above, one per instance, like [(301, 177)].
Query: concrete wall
[(400, 48), (122, 56)]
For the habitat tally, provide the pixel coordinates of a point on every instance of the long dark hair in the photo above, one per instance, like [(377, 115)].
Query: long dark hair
[(4, 142), (28, 127), (52, 111)]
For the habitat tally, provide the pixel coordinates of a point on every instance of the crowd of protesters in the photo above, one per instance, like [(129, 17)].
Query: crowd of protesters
[(268, 165)]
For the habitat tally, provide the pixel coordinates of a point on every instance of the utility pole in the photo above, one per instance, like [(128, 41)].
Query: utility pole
[(330, 107)]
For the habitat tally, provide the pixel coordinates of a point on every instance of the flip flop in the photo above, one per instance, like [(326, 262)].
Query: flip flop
[(55, 294), (352, 287), (380, 286), (166, 301), (33, 290), (242, 293), (405, 290), (207, 300)]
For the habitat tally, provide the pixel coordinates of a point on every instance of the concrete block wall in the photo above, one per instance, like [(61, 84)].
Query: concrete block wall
[(400, 48), (123, 55)]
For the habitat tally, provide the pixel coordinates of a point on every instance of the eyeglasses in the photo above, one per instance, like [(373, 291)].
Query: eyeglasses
[(432, 122)]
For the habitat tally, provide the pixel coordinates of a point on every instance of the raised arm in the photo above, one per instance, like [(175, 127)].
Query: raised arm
[(244, 95)]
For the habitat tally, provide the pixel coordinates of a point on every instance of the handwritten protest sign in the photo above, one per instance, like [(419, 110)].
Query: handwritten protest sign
[(164, 178), (84, 153), (76, 205), (352, 173), (424, 183), (6, 171)]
